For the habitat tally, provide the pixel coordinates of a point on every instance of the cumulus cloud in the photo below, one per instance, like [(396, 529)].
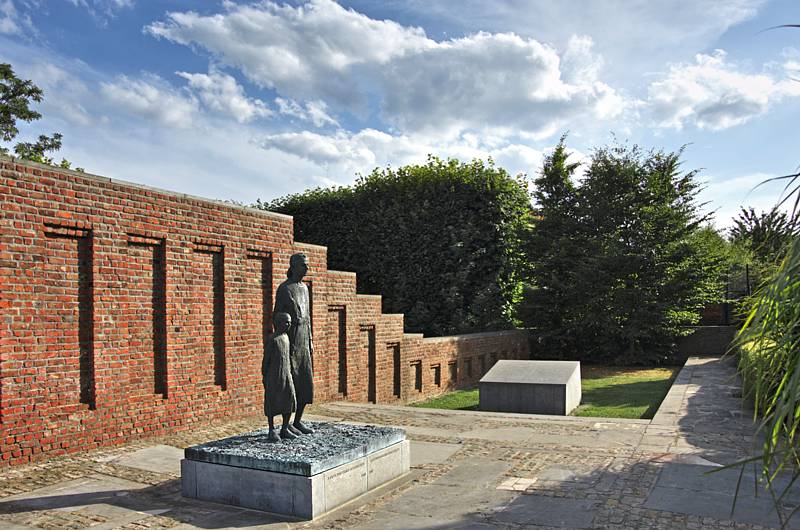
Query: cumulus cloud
[(340, 148), (579, 62), (339, 156), (322, 52), (490, 81), (305, 51), (633, 34), (315, 112), (221, 93), (713, 94), (152, 98)]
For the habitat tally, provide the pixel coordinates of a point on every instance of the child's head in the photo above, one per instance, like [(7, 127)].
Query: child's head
[(282, 322)]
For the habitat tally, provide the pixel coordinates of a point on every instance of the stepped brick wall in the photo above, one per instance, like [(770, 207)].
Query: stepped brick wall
[(128, 311)]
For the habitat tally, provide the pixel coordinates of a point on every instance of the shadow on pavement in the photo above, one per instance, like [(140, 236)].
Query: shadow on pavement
[(127, 505), (624, 494)]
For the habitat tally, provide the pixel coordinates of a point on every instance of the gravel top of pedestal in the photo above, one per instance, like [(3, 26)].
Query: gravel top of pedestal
[(331, 445), (531, 372)]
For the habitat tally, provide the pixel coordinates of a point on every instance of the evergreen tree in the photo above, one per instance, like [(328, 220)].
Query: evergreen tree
[(620, 270), (767, 234), (548, 304)]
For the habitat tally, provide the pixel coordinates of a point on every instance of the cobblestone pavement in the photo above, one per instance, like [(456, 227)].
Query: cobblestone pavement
[(469, 470)]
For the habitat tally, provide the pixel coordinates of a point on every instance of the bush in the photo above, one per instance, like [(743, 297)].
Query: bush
[(442, 242)]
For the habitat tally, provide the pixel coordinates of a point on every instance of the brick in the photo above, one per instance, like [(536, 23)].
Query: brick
[(109, 317)]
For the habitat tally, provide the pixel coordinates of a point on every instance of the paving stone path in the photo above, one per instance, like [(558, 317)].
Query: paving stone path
[(469, 470)]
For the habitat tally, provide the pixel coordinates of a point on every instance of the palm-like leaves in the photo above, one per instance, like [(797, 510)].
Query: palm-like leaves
[(770, 362), (769, 342)]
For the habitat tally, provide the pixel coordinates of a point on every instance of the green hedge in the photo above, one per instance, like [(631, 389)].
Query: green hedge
[(442, 242)]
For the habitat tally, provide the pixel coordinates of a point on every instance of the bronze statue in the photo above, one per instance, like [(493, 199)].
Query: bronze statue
[(292, 298), (276, 370)]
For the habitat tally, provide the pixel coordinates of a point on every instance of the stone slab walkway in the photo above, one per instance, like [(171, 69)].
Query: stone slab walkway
[(469, 470)]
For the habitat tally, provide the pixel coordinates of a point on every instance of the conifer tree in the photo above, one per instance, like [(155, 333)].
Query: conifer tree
[(547, 303)]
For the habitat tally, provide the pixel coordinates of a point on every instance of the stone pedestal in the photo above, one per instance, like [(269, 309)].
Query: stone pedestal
[(532, 387), (301, 478)]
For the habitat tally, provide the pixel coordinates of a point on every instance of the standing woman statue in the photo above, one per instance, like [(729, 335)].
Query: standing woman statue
[(292, 298)]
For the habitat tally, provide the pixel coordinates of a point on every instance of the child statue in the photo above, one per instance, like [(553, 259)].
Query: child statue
[(279, 396)]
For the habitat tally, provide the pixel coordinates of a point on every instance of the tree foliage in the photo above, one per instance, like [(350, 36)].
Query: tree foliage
[(767, 234), (550, 306), (620, 263), (442, 242), (16, 96)]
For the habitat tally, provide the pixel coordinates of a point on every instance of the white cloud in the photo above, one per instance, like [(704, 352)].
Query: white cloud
[(579, 62), (791, 64), (64, 93), (713, 94), (101, 10), (12, 22), (322, 52), (497, 93), (158, 150), (633, 35), (220, 92), (729, 195), (315, 112), (339, 157), (498, 82), (152, 98), (517, 158), (217, 161), (8, 22), (305, 51), (341, 148), (65, 83)]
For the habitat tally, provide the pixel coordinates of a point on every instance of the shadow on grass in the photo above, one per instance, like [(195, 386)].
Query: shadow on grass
[(596, 371)]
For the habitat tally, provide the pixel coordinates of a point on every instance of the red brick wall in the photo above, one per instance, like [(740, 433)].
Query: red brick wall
[(129, 311)]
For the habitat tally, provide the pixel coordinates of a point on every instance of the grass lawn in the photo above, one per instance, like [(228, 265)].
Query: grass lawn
[(620, 392), (455, 400), (608, 392)]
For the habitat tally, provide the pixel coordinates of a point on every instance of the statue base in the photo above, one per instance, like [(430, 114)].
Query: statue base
[(302, 478)]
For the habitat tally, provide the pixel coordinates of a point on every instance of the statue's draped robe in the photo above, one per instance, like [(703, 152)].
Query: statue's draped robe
[(292, 298), (276, 369)]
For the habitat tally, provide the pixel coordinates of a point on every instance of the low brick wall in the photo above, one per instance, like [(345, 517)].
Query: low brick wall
[(129, 311), (449, 363), (707, 340)]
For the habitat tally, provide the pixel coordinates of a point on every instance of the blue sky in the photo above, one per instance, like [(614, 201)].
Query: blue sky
[(246, 100)]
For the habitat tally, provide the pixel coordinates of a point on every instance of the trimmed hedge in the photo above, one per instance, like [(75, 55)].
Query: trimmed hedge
[(442, 242)]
